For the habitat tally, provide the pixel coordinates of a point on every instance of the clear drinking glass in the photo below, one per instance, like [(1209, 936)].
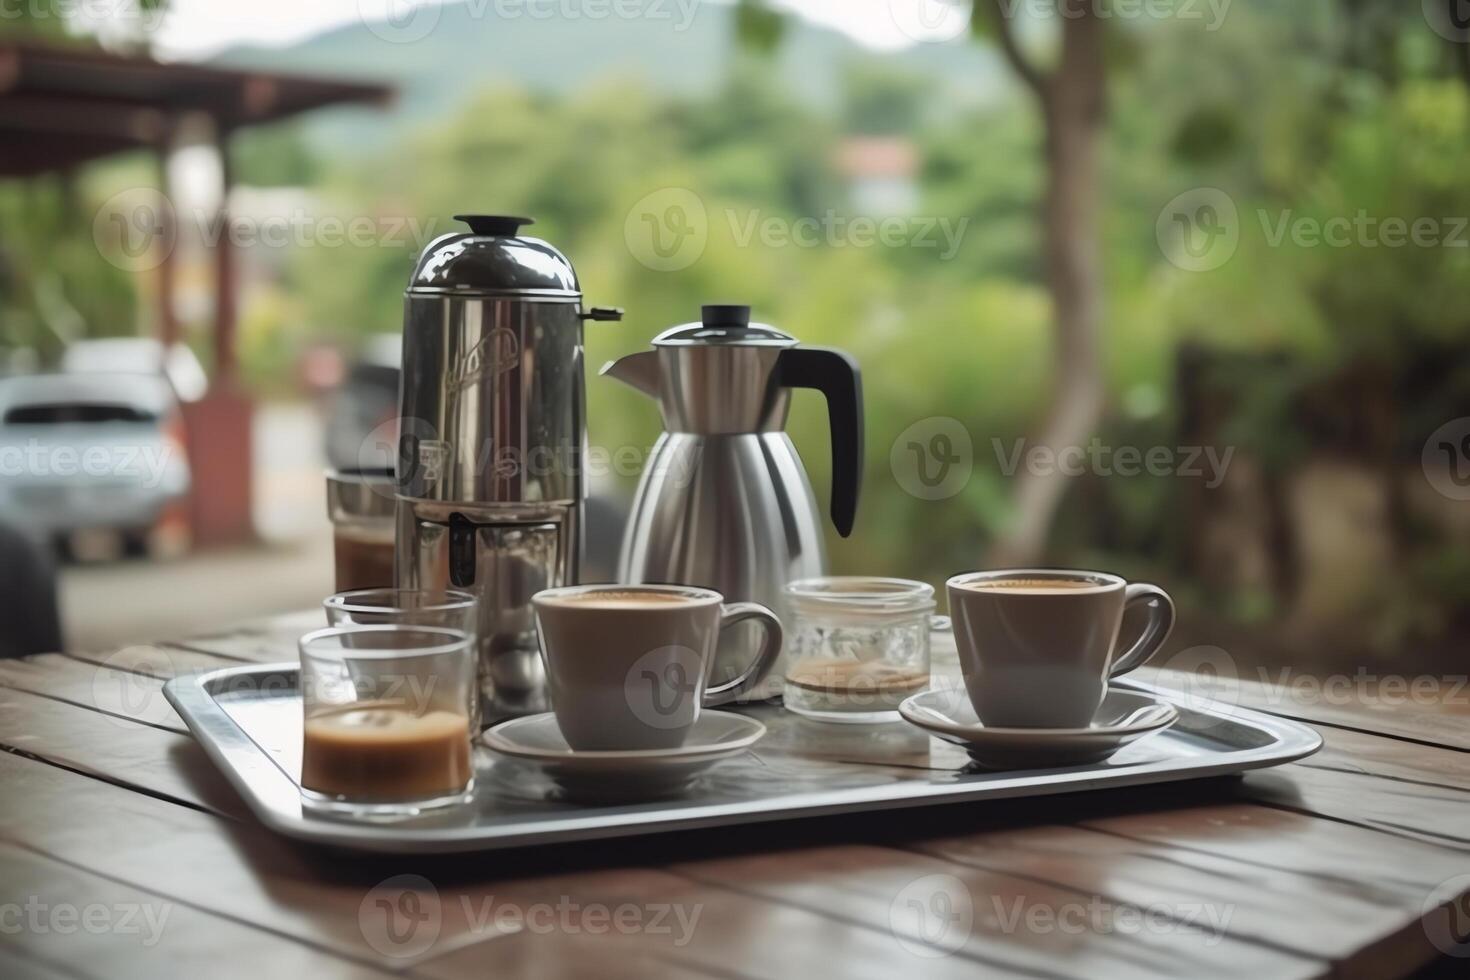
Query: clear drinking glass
[(361, 506), (856, 646), (404, 607), (388, 717)]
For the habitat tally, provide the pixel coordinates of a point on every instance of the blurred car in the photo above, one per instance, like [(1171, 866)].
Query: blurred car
[(88, 459), (139, 355), (362, 415)]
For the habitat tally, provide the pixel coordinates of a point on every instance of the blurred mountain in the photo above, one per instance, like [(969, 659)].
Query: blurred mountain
[(678, 47)]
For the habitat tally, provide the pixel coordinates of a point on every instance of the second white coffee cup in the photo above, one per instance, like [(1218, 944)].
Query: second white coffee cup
[(630, 666)]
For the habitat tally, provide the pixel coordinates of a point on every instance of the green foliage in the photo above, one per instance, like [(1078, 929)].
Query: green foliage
[(757, 26), (1299, 113)]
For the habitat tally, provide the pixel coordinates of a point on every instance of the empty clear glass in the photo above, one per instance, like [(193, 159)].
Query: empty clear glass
[(405, 607), (856, 646)]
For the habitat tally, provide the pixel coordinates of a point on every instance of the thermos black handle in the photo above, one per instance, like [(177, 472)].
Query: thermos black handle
[(462, 534), (837, 377)]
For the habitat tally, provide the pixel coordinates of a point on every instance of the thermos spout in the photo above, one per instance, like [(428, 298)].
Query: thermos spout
[(640, 370)]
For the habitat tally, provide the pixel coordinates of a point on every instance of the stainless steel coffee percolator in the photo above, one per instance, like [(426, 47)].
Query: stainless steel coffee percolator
[(492, 433), (725, 501)]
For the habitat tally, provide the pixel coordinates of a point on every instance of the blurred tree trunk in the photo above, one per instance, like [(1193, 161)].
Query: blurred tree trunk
[(1073, 107)]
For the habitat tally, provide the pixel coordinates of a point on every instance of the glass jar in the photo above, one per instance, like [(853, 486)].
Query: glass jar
[(856, 646), (361, 504)]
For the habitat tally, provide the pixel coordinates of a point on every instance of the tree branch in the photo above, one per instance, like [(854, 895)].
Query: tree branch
[(1006, 35)]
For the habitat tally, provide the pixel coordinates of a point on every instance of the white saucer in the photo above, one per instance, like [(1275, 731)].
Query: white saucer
[(624, 775), (1123, 718)]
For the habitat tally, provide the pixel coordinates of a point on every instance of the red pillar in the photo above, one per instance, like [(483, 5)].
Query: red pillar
[(168, 319), (219, 424)]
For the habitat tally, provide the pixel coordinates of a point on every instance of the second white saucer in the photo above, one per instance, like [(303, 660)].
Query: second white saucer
[(1123, 718), (607, 776)]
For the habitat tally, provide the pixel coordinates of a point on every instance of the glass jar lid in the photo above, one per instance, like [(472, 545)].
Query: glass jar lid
[(860, 596), (368, 494)]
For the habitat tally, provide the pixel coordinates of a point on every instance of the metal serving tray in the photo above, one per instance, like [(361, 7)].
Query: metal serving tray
[(249, 721)]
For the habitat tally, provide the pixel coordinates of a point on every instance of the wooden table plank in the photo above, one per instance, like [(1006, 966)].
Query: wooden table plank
[(159, 660), (15, 964), (243, 872), (116, 692), (135, 934), (1441, 716), (139, 756), (1321, 865), (999, 924), (1139, 959), (269, 640)]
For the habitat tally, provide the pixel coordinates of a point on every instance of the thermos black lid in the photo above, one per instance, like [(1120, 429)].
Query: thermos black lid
[(493, 259), (727, 325)]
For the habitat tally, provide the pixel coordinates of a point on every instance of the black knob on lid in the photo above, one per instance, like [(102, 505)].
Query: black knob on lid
[(724, 315), (494, 224)]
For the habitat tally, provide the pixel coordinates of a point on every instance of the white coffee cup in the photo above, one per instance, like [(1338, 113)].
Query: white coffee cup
[(1037, 646), (629, 666)]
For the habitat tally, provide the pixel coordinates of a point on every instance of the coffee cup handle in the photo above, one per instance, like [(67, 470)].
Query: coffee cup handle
[(1155, 631), (739, 612)]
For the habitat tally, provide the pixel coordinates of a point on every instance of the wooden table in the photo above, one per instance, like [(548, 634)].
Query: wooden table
[(123, 853)]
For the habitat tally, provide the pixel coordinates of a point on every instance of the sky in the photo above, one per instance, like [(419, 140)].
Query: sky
[(198, 28)]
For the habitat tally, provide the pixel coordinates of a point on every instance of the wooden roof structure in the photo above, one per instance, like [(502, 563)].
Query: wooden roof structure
[(62, 106)]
